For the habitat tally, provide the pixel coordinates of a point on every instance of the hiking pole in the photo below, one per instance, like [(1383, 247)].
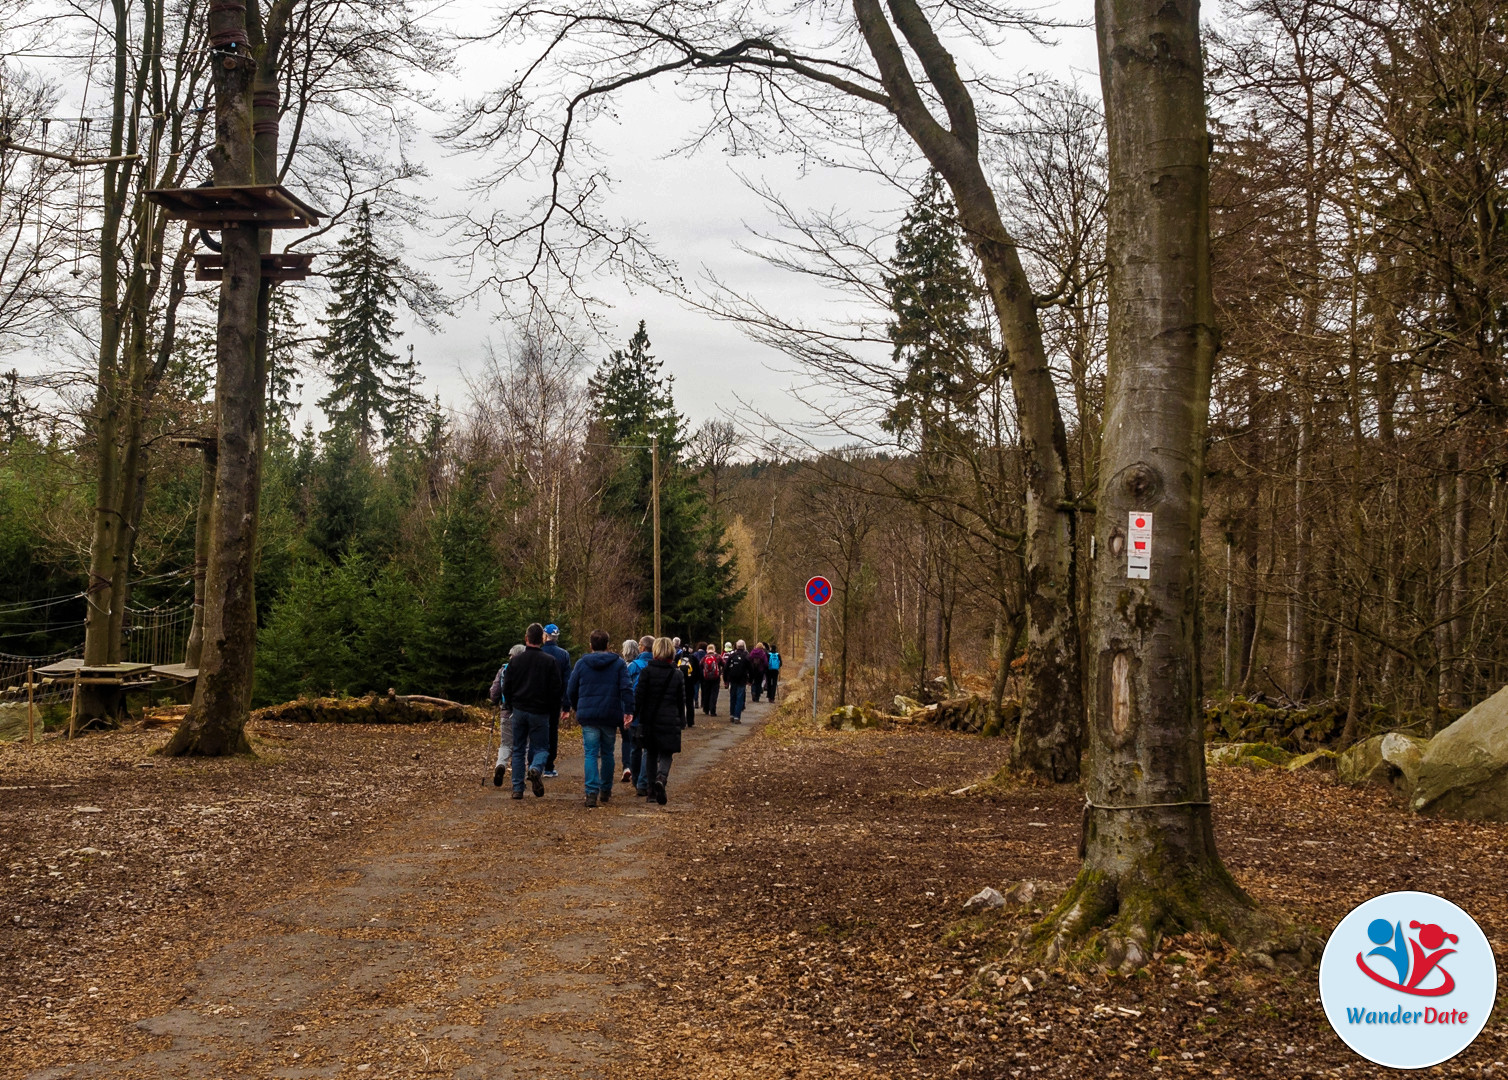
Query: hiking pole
[(495, 726)]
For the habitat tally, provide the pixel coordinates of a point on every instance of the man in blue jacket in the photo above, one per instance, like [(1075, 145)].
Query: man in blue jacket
[(600, 695), (563, 660)]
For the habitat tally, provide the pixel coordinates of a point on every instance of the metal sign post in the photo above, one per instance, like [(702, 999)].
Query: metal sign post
[(818, 592)]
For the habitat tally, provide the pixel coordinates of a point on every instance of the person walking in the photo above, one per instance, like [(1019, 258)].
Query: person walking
[(687, 668), (563, 659), (504, 720), (694, 656), (759, 663), (772, 674), (736, 672), (532, 687), (602, 699), (636, 755), (630, 654), (660, 708), (712, 677)]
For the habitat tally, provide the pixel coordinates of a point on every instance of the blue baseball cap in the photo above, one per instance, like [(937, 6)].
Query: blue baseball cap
[(552, 629)]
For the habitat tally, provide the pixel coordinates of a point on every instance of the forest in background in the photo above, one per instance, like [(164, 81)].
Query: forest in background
[(1354, 503)]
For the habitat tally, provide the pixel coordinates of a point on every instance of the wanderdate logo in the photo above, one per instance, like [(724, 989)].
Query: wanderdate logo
[(1408, 980)]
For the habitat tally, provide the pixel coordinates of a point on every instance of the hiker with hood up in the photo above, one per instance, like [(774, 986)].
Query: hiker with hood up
[(759, 663), (603, 701)]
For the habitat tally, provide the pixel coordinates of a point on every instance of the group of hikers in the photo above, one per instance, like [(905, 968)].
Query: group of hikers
[(650, 691)]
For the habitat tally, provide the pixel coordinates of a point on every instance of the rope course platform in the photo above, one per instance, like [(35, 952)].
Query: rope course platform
[(267, 206), (287, 266)]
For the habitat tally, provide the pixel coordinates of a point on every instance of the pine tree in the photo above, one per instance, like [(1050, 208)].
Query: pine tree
[(632, 400), (935, 301), (286, 354), (370, 382)]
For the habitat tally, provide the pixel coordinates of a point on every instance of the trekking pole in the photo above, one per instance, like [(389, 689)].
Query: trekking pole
[(494, 727)]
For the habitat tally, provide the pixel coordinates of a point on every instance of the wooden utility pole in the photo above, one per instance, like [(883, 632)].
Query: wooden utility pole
[(654, 498)]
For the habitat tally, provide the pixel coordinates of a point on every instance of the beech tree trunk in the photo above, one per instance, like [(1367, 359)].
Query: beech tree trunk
[(1150, 864), (1050, 735)]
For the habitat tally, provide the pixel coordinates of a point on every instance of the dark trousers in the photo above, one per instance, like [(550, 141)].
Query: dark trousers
[(756, 684), (692, 692), (710, 688), (554, 741), (771, 678), (530, 730), (657, 763), (636, 759), (736, 699)]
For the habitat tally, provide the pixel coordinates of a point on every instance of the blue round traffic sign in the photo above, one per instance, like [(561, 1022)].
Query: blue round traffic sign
[(819, 590)]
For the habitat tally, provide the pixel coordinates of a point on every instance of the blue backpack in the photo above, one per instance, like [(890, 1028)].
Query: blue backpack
[(774, 661)]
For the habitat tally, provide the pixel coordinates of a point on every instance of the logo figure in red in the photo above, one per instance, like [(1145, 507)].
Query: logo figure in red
[(1413, 960)]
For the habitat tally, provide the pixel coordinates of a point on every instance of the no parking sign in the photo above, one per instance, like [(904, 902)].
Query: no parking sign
[(819, 590)]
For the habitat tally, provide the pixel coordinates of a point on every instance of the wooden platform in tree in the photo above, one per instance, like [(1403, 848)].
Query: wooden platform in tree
[(128, 675), (178, 672), (267, 206), (288, 266)]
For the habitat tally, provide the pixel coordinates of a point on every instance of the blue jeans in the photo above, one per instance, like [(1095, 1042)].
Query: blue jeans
[(597, 747), (736, 700), (531, 733)]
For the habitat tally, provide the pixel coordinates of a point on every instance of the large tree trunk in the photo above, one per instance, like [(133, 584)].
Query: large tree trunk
[(1150, 864), (215, 725)]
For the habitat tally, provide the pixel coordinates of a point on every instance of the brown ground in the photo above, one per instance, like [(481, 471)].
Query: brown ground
[(341, 903)]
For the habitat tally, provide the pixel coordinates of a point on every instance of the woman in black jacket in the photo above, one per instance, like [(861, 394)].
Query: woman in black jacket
[(660, 708)]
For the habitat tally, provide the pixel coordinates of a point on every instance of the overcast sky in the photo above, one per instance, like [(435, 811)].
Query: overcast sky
[(697, 212)]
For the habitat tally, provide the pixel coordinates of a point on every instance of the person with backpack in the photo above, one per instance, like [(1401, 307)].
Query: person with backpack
[(759, 663), (660, 710), (736, 674), (712, 677), (772, 674), (602, 700), (504, 719), (563, 659), (689, 671), (531, 685)]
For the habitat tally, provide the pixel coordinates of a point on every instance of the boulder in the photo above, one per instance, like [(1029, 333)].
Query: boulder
[(1391, 760), (905, 706), (986, 899), (1464, 770), (1256, 755), (1314, 761)]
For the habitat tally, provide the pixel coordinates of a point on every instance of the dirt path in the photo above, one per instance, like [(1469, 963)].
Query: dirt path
[(478, 939)]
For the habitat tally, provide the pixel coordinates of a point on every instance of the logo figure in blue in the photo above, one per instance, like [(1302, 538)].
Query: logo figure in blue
[(1412, 963)]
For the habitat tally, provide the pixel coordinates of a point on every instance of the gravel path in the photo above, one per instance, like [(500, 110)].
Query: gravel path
[(481, 937)]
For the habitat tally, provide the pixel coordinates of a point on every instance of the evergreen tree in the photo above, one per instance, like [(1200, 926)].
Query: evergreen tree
[(935, 300), (371, 384), (285, 357), (466, 615), (632, 400)]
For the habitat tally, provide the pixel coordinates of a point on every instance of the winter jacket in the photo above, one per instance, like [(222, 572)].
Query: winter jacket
[(736, 668), (532, 683), (636, 668), (495, 691), (759, 661), (660, 706), (563, 660), (599, 690), (696, 656)]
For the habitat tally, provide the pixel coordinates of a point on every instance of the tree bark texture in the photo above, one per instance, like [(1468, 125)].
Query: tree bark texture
[(1150, 864), (1050, 735)]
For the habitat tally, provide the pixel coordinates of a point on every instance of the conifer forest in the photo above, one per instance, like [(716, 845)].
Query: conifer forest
[(1132, 372)]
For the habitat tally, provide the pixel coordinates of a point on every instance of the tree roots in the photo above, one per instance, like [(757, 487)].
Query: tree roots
[(1116, 924)]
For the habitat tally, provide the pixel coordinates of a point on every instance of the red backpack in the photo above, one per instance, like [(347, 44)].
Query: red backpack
[(710, 667)]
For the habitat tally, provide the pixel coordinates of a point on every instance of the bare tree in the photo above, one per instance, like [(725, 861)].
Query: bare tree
[(890, 69)]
